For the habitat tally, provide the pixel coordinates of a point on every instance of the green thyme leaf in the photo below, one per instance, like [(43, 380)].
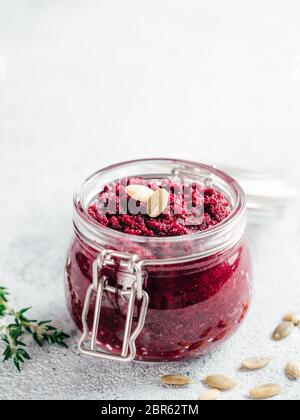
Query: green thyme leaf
[(3, 301), (3, 294), (41, 331)]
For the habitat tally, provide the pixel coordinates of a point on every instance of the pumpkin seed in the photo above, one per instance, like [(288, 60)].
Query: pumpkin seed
[(157, 203), (262, 392), (176, 380), (139, 192), (292, 317), (292, 370), (283, 330), (210, 395), (288, 317), (221, 382), (296, 319), (256, 363)]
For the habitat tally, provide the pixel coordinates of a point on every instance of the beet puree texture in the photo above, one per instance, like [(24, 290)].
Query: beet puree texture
[(197, 210), (193, 306)]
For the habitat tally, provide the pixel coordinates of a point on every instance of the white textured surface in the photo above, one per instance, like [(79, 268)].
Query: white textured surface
[(95, 82)]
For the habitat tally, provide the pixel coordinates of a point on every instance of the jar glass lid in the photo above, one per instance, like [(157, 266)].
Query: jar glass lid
[(267, 195)]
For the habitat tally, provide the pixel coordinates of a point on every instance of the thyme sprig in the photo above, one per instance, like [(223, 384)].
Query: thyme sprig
[(3, 301), (10, 333), (41, 331), (14, 347)]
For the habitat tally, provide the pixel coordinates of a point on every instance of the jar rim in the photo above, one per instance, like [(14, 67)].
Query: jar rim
[(229, 223)]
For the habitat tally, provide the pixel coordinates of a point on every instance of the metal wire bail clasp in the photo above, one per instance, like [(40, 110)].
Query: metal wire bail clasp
[(88, 343)]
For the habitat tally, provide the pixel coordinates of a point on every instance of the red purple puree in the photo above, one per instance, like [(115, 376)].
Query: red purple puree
[(199, 203), (193, 306)]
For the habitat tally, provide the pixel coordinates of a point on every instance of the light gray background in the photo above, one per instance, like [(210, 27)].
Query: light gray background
[(86, 84)]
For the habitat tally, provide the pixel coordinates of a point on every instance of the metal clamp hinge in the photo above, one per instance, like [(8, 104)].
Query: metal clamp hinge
[(88, 342)]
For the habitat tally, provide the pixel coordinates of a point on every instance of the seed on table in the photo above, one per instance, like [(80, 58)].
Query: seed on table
[(292, 317), (292, 370), (288, 317), (177, 380), (210, 395), (139, 192), (256, 363), (262, 392), (283, 330), (221, 382), (296, 319)]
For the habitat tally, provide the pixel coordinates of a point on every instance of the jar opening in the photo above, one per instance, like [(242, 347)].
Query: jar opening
[(209, 241)]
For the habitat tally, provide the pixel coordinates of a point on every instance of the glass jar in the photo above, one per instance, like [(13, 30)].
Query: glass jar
[(158, 299)]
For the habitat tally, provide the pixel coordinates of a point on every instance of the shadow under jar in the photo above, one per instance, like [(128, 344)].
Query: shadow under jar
[(158, 299)]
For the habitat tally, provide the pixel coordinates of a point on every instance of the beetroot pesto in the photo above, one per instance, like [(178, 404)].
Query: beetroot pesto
[(191, 209), (161, 288)]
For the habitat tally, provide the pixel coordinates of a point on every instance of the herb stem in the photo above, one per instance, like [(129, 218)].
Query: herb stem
[(10, 340), (10, 333)]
